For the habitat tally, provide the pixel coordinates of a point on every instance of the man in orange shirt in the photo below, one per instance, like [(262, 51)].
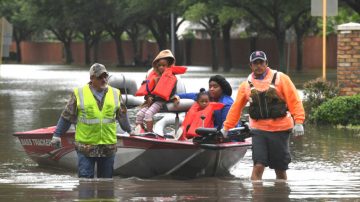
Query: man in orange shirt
[(275, 111)]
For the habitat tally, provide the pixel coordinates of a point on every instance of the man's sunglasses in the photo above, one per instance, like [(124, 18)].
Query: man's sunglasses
[(103, 76)]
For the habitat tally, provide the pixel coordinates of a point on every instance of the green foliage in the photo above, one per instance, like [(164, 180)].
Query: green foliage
[(230, 13), (316, 92), (342, 110), (345, 15), (189, 35)]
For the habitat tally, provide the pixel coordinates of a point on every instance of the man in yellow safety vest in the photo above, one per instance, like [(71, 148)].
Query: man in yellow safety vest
[(94, 108)]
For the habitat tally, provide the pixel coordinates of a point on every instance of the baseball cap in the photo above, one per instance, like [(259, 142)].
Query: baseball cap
[(97, 69), (258, 55)]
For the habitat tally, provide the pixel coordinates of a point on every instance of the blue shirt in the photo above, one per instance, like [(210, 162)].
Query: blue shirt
[(219, 115)]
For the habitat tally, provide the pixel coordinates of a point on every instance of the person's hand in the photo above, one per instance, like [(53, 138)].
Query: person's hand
[(149, 100), (56, 142), (176, 100), (131, 133), (224, 132), (298, 130)]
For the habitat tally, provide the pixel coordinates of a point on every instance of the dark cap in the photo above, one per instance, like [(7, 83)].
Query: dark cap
[(258, 55), (97, 69), (225, 85)]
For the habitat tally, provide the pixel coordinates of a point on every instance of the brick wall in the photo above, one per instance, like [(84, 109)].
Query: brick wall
[(200, 53), (348, 57)]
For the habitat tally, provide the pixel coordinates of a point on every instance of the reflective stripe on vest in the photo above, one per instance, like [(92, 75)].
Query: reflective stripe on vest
[(96, 121), (95, 126)]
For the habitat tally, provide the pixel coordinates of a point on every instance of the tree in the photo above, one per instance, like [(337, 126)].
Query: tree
[(227, 17), (354, 4), (57, 16), (19, 14), (302, 27), (136, 32), (156, 16), (276, 17), (116, 21), (345, 15), (90, 23), (205, 14)]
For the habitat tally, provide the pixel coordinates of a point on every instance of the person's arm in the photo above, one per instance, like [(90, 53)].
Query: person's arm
[(123, 118), (62, 126), (292, 99), (187, 96), (224, 113), (236, 108), (220, 115), (68, 116)]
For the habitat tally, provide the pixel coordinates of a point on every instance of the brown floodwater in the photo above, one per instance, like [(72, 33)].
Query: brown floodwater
[(325, 162)]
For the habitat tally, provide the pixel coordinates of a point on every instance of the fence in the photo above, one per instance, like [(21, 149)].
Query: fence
[(199, 52)]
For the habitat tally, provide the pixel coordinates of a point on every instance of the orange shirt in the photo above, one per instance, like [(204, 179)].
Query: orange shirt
[(286, 91)]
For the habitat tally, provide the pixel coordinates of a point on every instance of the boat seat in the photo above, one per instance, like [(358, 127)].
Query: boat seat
[(183, 106)]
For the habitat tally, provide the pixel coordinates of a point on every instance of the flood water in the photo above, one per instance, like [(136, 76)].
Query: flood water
[(325, 166)]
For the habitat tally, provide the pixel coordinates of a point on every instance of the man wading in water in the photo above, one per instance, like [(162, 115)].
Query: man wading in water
[(275, 110)]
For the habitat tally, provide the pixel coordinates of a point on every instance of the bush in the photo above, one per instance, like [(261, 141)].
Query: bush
[(342, 110), (316, 92)]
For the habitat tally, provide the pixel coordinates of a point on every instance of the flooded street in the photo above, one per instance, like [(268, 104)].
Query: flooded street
[(325, 162)]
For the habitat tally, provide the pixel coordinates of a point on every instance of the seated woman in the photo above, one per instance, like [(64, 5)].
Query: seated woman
[(219, 91), (201, 114)]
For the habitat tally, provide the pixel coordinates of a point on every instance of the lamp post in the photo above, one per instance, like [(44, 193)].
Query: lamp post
[(172, 19)]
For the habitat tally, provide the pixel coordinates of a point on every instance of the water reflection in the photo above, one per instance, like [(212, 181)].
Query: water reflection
[(90, 189), (278, 191), (325, 162)]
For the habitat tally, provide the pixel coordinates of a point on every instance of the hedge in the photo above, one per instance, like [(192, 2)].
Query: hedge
[(343, 110)]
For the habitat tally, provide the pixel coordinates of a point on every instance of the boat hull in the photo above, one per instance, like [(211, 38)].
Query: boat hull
[(138, 156)]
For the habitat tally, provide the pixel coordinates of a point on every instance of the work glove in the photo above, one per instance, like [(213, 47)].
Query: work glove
[(298, 130), (56, 142), (224, 132)]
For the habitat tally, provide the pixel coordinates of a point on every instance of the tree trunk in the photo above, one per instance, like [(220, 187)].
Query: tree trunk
[(178, 54), (214, 53), (299, 52), (18, 47), (96, 51), (135, 47), (119, 51), (162, 43), (18, 51), (188, 48), (227, 48), (68, 52), (253, 47), (281, 50), (159, 35), (87, 49)]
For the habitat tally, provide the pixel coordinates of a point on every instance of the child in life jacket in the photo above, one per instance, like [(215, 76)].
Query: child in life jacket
[(201, 114), (158, 88)]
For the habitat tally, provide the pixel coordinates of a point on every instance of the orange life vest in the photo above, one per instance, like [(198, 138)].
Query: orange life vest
[(165, 84), (193, 119), (148, 85)]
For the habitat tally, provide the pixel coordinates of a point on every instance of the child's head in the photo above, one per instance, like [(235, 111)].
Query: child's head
[(203, 98), (162, 64), (164, 59)]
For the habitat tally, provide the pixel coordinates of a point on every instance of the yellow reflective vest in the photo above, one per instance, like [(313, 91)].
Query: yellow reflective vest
[(93, 126)]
